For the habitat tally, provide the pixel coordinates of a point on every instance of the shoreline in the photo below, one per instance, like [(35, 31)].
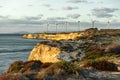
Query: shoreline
[(65, 53)]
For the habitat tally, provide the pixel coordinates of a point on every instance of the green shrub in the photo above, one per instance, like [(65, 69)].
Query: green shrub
[(94, 54), (68, 66), (19, 66), (101, 64), (15, 67)]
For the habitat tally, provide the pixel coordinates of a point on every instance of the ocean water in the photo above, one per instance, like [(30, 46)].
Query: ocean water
[(13, 48)]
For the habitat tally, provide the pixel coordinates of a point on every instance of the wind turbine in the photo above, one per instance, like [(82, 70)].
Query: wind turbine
[(47, 26), (79, 25), (93, 23), (108, 24), (56, 27)]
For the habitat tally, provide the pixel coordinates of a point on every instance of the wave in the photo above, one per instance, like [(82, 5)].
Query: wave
[(15, 50)]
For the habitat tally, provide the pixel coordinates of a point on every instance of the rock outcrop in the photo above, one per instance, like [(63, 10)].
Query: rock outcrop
[(55, 51)]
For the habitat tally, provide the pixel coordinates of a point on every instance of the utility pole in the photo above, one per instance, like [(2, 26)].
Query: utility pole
[(79, 25)]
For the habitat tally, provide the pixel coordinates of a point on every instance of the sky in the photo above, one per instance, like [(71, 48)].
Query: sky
[(35, 15)]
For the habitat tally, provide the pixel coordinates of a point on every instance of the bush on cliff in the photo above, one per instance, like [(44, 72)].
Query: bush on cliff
[(19, 66), (15, 67), (58, 68), (68, 66), (114, 48), (101, 64), (96, 57), (94, 52)]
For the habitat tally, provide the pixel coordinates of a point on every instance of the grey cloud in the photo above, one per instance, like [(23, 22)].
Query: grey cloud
[(78, 1), (46, 5), (52, 9), (1, 6), (56, 18), (69, 8), (17, 25), (74, 16), (100, 2), (30, 5), (104, 12), (20, 22), (33, 17), (34, 20), (4, 17)]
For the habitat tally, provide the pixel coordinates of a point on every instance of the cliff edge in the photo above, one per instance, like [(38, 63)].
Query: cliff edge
[(55, 51), (73, 35), (80, 56)]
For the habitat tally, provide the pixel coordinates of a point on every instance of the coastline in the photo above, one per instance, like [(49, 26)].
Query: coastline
[(86, 40)]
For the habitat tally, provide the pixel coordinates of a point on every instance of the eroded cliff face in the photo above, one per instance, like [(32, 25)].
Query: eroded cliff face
[(55, 51), (44, 53)]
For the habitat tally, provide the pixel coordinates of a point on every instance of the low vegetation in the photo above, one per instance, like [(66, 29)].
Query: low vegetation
[(35, 70), (19, 66), (98, 58), (101, 64)]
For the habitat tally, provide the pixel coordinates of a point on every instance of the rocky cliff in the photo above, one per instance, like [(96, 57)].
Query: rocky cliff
[(73, 35), (60, 60), (75, 59), (55, 51), (44, 53), (60, 36)]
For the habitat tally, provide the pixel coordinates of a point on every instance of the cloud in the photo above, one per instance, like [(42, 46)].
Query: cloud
[(78, 1), (32, 20), (69, 8), (74, 16), (12, 22), (104, 12), (46, 5), (56, 18), (52, 9), (18, 25), (4, 17), (33, 17), (30, 5), (1, 6)]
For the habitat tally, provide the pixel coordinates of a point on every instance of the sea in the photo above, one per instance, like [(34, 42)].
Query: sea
[(14, 48)]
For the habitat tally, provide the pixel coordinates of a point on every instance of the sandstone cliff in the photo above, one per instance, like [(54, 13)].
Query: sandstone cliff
[(61, 36), (44, 53), (73, 35), (55, 51)]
